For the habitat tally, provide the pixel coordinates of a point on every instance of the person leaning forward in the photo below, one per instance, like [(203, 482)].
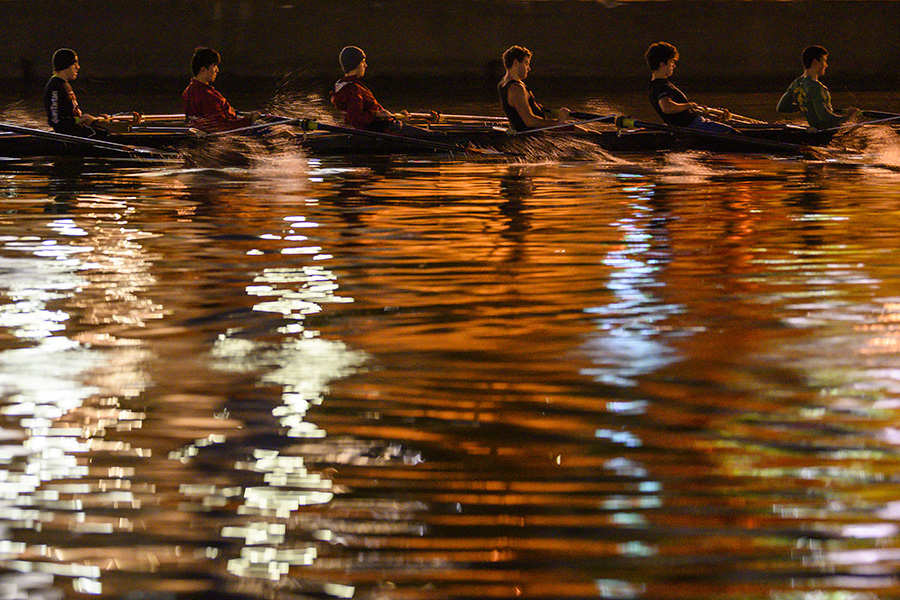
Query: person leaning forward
[(670, 103), (808, 95), (203, 105), (519, 104), (63, 113)]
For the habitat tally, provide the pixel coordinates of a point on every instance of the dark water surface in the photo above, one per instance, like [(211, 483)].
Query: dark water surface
[(661, 377)]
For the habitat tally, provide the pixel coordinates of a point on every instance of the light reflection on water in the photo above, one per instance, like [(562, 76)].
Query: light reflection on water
[(670, 378)]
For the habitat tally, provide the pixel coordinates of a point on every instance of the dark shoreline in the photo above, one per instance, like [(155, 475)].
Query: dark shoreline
[(728, 44)]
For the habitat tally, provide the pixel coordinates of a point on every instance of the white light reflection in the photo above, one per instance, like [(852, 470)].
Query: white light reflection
[(302, 364), (60, 393), (630, 341)]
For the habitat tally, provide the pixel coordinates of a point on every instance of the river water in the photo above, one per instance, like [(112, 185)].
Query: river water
[(662, 377)]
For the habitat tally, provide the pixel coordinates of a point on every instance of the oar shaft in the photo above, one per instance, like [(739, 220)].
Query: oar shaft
[(877, 114), (583, 119), (853, 124), (256, 126), (141, 118), (451, 117), (63, 137), (583, 116), (727, 115)]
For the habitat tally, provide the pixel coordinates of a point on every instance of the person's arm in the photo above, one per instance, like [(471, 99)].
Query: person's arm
[(86, 119), (518, 99), (670, 107)]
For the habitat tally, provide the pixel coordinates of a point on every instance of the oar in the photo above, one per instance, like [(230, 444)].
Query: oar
[(583, 119), (592, 117), (877, 114), (726, 115), (629, 123), (256, 126), (439, 117), (137, 118), (63, 137), (310, 125), (843, 126)]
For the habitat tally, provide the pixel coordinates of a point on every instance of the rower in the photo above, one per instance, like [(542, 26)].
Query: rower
[(63, 113), (204, 106), (808, 95), (670, 103), (360, 108), (519, 104)]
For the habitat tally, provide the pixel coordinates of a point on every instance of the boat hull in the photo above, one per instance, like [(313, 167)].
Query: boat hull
[(771, 139)]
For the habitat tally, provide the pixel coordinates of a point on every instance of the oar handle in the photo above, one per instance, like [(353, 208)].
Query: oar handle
[(725, 115), (137, 118)]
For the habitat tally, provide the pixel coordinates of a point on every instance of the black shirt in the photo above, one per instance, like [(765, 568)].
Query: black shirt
[(62, 107), (663, 88), (515, 119)]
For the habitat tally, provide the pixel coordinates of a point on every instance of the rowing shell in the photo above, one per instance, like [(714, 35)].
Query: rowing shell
[(447, 137)]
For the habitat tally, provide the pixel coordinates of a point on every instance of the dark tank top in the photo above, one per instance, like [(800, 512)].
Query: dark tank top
[(511, 113)]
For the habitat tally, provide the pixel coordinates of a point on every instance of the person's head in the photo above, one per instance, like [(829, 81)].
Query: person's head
[(661, 54), (814, 56), (517, 60), (205, 64), (65, 64), (353, 61)]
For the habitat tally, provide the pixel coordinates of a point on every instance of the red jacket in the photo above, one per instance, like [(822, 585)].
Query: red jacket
[(207, 109), (355, 100)]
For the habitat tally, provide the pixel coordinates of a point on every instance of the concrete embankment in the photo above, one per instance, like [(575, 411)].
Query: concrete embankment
[(731, 41)]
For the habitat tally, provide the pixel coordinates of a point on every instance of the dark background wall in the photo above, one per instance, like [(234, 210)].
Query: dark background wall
[(734, 41)]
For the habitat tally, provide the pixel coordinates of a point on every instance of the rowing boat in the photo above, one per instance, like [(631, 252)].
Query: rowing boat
[(627, 136), (25, 146), (771, 139)]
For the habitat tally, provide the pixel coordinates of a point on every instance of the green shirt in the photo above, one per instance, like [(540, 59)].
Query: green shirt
[(812, 99)]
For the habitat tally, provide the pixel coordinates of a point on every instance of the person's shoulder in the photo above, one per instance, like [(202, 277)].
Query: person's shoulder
[(343, 85), (57, 83), (813, 85), (516, 87), (348, 83), (195, 86), (661, 87)]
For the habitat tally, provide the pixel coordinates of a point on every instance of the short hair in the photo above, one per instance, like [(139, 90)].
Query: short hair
[(812, 53), (204, 58), (515, 53), (659, 54)]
